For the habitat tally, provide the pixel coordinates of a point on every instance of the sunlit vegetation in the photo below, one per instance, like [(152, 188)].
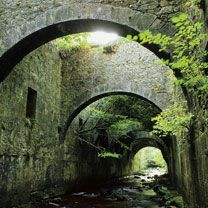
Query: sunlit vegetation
[(148, 158), (74, 40), (86, 40), (116, 119), (187, 61)]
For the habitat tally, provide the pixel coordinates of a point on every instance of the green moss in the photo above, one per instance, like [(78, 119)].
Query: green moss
[(176, 201)]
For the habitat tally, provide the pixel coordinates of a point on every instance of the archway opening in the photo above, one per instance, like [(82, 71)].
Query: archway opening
[(149, 160), (108, 70), (33, 39), (18, 50), (111, 139), (110, 124), (106, 134)]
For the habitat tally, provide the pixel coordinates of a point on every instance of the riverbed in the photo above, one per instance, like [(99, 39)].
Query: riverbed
[(142, 190)]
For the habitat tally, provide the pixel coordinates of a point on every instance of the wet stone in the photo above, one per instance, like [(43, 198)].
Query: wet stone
[(129, 191)]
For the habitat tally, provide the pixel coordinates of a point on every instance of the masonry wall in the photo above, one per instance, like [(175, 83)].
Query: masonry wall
[(31, 157), (189, 153), (34, 160), (183, 176), (34, 163), (16, 14), (125, 66), (201, 147), (83, 168), (28, 146)]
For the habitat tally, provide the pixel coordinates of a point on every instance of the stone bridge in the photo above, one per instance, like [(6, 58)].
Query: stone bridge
[(130, 69), (145, 139), (25, 25), (37, 148)]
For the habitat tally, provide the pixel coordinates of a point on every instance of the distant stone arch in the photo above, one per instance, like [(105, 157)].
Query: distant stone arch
[(145, 139)]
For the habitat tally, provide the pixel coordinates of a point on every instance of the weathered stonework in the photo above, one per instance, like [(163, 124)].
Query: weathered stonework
[(131, 68), (144, 139), (31, 155), (33, 163), (201, 147), (190, 155), (26, 20), (31, 151), (27, 147)]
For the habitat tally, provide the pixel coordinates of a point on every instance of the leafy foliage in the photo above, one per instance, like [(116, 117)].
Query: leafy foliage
[(186, 60), (191, 3), (123, 127), (115, 118), (109, 154), (172, 121), (75, 40), (184, 47)]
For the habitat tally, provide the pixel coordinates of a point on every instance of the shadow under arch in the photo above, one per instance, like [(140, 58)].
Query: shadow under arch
[(34, 40), (82, 106)]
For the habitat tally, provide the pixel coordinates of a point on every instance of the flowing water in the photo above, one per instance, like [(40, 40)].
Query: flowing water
[(136, 191)]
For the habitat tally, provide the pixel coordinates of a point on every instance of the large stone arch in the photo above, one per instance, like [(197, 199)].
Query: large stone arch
[(82, 106), (141, 139), (131, 69), (25, 26)]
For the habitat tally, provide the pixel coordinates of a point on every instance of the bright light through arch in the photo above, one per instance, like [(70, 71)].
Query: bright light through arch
[(102, 38)]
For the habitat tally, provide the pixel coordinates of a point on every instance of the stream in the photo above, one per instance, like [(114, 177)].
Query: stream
[(146, 190)]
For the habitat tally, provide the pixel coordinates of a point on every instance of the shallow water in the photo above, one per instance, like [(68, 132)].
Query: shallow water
[(134, 191)]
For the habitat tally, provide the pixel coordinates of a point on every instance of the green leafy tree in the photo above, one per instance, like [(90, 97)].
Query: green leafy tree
[(172, 121), (71, 41), (184, 46), (187, 60), (115, 119)]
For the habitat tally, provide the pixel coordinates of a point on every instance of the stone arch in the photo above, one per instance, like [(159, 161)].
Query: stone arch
[(34, 26), (100, 96), (94, 98), (145, 139), (97, 75)]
